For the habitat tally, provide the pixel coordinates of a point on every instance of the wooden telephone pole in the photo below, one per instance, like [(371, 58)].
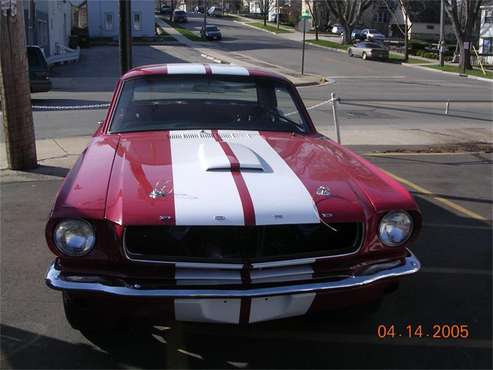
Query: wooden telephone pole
[(15, 91)]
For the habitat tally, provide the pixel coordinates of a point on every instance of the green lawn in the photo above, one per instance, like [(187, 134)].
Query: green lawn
[(455, 69), (185, 32), (329, 44), (396, 57), (269, 28)]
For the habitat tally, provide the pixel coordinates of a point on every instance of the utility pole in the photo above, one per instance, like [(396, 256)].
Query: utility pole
[(125, 36), (277, 15), (205, 19), (406, 40), (15, 91), (441, 46)]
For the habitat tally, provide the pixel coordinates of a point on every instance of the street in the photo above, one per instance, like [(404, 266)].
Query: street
[(407, 103), (389, 113)]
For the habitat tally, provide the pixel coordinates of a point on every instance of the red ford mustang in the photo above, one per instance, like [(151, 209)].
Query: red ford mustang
[(208, 195)]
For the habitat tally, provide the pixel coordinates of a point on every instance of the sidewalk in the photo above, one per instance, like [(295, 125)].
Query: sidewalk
[(240, 59), (54, 155), (58, 155)]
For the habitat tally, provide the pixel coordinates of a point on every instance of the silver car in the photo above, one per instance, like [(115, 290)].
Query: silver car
[(369, 50)]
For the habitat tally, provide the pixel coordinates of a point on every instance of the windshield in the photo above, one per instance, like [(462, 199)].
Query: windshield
[(172, 103), (370, 45), (212, 28), (35, 57)]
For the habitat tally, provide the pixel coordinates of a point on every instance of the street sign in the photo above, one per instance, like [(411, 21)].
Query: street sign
[(305, 15)]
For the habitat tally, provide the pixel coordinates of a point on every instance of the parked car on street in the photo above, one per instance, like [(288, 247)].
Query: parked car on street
[(222, 204), (356, 34), (338, 29), (211, 32), (369, 50), (179, 16), (371, 34), (215, 11), (38, 70), (165, 9)]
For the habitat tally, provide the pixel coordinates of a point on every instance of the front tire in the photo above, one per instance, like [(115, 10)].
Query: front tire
[(85, 315)]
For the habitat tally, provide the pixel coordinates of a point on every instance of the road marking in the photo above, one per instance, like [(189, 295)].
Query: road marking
[(418, 154), (366, 77), (453, 226), (447, 202)]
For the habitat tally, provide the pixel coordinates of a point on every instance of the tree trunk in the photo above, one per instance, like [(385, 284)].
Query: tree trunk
[(464, 57), (347, 35)]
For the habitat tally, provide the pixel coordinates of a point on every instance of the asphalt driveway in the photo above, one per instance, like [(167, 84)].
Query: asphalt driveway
[(454, 287)]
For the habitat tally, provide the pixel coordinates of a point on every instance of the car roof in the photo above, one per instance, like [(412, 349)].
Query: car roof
[(197, 69)]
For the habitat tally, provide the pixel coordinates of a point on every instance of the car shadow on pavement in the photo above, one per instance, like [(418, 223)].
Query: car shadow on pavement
[(454, 286)]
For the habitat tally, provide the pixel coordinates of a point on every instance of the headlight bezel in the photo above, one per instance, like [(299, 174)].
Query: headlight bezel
[(409, 234), (73, 252)]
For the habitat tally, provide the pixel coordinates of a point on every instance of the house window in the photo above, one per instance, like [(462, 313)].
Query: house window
[(488, 16), (137, 21), (382, 16), (108, 21), (488, 46)]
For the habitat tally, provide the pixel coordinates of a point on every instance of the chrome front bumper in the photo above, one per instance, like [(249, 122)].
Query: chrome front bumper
[(56, 280)]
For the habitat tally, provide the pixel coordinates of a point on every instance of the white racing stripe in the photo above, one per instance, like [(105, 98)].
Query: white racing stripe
[(278, 195), (202, 197), (186, 68), (278, 307), (220, 69)]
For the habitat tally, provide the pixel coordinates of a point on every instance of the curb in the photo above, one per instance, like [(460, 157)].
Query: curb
[(419, 66), (326, 47), (261, 29)]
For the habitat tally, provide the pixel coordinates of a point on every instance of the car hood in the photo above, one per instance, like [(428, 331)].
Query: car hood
[(243, 177)]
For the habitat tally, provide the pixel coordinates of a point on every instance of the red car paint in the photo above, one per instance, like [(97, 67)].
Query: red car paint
[(109, 187)]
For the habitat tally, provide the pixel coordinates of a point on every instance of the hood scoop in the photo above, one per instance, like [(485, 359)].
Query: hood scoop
[(213, 157)]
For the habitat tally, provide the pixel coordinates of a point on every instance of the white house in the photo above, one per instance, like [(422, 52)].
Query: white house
[(423, 19), (103, 18), (48, 24), (486, 33)]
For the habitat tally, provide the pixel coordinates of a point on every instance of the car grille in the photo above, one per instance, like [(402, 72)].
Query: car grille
[(239, 244)]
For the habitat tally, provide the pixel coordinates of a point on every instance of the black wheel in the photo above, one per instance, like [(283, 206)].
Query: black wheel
[(83, 314), (364, 56), (349, 52)]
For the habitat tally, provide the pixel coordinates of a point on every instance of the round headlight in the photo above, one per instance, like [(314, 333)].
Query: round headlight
[(74, 237), (395, 228)]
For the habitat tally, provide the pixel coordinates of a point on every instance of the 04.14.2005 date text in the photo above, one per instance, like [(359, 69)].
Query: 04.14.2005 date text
[(436, 331)]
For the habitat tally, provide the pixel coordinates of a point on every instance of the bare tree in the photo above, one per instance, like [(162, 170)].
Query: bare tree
[(265, 7), (463, 15), (313, 12), (348, 13)]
